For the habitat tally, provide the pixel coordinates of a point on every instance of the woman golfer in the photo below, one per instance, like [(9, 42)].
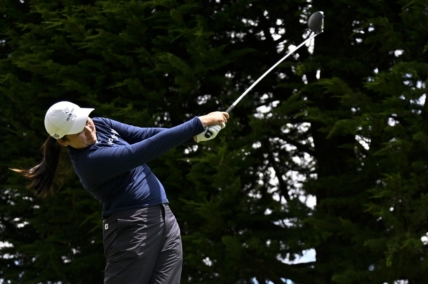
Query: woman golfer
[(141, 237)]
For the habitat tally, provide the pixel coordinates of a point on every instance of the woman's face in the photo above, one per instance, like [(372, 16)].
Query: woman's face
[(83, 139)]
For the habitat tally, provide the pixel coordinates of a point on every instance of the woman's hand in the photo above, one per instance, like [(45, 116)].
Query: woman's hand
[(214, 118)]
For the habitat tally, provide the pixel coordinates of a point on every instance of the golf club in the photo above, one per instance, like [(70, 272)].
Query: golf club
[(315, 24)]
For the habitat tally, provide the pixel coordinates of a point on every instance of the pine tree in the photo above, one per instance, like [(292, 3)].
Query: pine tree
[(241, 199), (369, 219)]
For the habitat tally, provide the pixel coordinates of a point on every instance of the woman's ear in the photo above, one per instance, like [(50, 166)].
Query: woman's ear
[(62, 142)]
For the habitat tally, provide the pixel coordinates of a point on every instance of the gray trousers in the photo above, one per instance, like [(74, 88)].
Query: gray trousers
[(142, 246)]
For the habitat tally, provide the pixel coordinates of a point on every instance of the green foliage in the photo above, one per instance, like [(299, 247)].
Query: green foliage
[(346, 126)]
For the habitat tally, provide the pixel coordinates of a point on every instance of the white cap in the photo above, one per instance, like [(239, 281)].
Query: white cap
[(64, 118)]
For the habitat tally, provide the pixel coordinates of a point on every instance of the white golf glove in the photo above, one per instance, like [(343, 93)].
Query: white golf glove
[(213, 129)]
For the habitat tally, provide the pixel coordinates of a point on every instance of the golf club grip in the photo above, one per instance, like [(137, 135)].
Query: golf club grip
[(208, 133)]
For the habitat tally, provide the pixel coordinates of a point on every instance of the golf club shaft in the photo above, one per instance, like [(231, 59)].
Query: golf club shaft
[(208, 133), (267, 72)]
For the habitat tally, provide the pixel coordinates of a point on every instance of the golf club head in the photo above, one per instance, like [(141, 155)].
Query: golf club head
[(316, 22)]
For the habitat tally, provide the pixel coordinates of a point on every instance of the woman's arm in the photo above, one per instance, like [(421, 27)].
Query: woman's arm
[(130, 133), (133, 134), (103, 163)]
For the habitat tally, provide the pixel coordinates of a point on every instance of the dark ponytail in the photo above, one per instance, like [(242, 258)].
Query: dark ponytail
[(42, 175)]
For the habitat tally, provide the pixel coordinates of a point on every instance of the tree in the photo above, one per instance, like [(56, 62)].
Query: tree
[(372, 85), (241, 198)]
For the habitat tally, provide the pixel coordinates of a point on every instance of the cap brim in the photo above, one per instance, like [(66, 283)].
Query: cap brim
[(79, 123)]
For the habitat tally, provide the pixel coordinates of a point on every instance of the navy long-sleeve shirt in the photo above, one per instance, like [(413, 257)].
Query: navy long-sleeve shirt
[(114, 169)]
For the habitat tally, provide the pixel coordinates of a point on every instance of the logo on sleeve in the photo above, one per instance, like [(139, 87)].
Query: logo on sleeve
[(113, 137)]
